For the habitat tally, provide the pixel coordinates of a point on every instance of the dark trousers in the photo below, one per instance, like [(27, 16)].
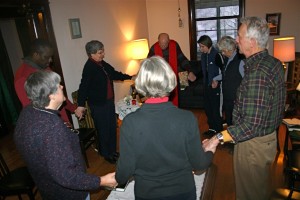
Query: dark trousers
[(105, 121), (212, 108), (228, 108)]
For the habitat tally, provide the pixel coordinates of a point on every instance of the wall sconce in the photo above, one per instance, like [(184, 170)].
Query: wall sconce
[(284, 49), (139, 49)]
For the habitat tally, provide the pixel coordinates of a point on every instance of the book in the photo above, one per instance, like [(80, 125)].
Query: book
[(120, 187), (293, 124), (183, 79)]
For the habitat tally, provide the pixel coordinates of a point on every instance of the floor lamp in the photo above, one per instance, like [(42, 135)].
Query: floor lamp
[(139, 51), (284, 50)]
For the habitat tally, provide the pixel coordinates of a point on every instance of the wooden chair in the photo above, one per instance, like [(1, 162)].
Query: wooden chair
[(15, 182), (292, 168), (87, 131)]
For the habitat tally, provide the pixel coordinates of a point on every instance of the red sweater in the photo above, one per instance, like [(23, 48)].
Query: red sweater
[(20, 78)]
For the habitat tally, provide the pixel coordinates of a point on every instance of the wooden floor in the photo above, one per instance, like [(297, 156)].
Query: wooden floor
[(224, 181)]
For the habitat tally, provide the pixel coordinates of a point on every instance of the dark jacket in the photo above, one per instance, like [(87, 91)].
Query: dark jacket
[(231, 78), (93, 86), (209, 67)]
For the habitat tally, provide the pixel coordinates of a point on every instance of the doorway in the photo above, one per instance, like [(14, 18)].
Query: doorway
[(21, 22)]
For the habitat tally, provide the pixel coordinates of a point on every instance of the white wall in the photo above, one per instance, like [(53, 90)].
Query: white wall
[(290, 16), (162, 17), (112, 22)]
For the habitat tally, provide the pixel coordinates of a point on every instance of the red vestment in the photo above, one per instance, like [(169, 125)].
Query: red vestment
[(173, 63)]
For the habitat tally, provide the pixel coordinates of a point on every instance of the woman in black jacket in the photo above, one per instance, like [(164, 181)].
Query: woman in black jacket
[(97, 88)]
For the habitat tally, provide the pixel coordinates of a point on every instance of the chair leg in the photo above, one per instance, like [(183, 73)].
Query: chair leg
[(31, 195), (84, 154)]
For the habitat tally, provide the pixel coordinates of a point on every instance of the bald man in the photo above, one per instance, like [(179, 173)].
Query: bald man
[(171, 52)]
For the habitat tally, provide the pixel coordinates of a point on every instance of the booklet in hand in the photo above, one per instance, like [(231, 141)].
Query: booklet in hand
[(120, 187)]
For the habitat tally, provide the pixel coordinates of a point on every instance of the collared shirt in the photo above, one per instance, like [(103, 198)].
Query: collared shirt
[(260, 102)]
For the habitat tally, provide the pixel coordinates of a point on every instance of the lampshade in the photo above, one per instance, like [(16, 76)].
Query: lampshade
[(139, 49), (298, 87), (284, 49)]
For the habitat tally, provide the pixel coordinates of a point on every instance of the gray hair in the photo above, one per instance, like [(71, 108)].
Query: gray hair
[(258, 29), (39, 85), (227, 43), (93, 46), (155, 78)]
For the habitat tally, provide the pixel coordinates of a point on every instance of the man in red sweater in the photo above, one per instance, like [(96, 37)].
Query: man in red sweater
[(39, 58)]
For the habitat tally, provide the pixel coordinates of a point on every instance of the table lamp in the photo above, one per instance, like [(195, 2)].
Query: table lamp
[(139, 49), (284, 49)]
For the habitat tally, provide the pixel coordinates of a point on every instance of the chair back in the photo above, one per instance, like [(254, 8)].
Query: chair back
[(87, 121), (3, 167)]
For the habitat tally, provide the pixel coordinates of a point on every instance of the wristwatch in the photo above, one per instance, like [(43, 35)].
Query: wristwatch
[(220, 137)]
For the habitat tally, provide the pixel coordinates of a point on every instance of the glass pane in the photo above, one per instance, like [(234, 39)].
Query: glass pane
[(229, 11), (229, 23), (206, 12), (208, 27)]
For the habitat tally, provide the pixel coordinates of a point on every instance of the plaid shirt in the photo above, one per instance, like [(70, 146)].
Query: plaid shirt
[(260, 100)]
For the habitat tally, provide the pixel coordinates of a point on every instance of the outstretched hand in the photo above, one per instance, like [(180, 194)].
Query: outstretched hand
[(80, 112), (109, 180), (192, 77), (214, 84), (210, 144)]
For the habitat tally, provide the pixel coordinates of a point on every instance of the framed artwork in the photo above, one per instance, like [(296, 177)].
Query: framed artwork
[(274, 23), (75, 28)]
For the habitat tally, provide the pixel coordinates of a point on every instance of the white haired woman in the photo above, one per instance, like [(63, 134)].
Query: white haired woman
[(161, 141), (50, 149)]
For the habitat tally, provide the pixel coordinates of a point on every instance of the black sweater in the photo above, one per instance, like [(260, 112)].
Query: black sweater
[(93, 86)]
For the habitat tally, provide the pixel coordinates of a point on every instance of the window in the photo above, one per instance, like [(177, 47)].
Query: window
[(215, 18)]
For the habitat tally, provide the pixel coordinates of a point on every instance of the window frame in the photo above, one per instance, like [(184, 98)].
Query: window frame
[(192, 25)]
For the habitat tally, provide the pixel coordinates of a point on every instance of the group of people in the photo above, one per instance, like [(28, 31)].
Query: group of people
[(160, 144), (220, 67), (254, 98)]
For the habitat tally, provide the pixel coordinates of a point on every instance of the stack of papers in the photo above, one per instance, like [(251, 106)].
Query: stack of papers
[(293, 124)]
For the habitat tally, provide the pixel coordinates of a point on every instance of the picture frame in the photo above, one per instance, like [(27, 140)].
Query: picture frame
[(75, 28), (273, 20)]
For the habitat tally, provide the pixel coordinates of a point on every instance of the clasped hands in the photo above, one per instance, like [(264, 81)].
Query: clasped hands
[(80, 112), (210, 144)]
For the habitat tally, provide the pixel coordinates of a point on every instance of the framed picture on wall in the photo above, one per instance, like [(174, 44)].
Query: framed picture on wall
[(274, 23), (75, 28)]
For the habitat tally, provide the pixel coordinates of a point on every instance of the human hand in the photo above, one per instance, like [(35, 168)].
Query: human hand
[(214, 84), (192, 77), (210, 144), (133, 77), (109, 180), (80, 112)]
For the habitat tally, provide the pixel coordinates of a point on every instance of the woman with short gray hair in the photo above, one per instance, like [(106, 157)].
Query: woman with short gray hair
[(97, 88), (50, 149), (156, 78), (231, 76), (161, 141)]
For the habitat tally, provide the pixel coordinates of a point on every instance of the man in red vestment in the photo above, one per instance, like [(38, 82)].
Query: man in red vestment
[(171, 52), (39, 59)]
